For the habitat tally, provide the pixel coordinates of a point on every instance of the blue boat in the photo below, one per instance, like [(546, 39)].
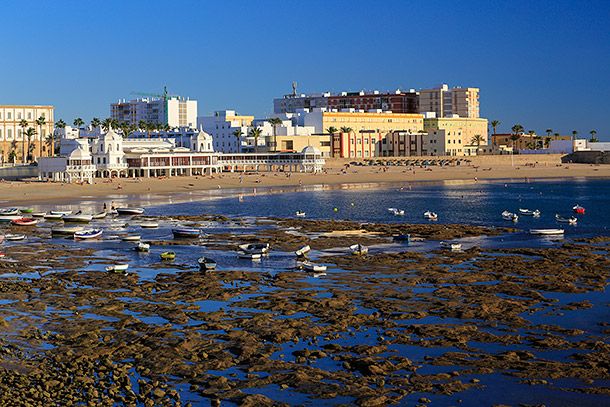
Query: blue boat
[(402, 238), (187, 232)]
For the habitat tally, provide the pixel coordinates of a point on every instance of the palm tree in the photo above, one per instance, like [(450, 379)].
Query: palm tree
[(150, 127), (548, 132), (78, 123), (167, 128), (477, 139), (547, 142), (29, 133), (556, 135), (538, 142), (256, 133), (574, 133), (142, 125), (239, 134), (115, 123), (345, 129), (517, 128), (23, 124), (95, 122), (275, 121), (40, 122), (126, 128), (51, 143), (106, 124), (593, 138), (332, 130), (494, 124), (60, 124)]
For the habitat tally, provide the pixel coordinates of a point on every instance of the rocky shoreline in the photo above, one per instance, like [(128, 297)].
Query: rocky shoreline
[(389, 328)]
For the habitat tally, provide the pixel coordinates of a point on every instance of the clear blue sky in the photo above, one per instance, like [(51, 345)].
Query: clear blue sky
[(541, 64)]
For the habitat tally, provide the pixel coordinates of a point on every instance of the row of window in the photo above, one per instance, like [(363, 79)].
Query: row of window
[(376, 120), (9, 115)]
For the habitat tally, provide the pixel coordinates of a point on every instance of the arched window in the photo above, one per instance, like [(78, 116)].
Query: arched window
[(109, 148), (118, 148)]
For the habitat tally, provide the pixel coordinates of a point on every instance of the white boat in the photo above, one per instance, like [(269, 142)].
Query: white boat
[(253, 256), (14, 237), (564, 219), (546, 231), (527, 212), (205, 263), (99, 215), (130, 211), (130, 238), (451, 246), (9, 211), (395, 211), (259, 248), (430, 215), (8, 218), (309, 266), (142, 247), (60, 213), (506, 215), (187, 232), (87, 234), (117, 268), (149, 225), (66, 230), (77, 217), (51, 216), (38, 214), (300, 214), (24, 222), (316, 275), (359, 249), (302, 252)]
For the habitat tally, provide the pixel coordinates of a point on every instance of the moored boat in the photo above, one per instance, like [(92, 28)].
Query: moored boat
[(38, 214), (130, 211), (359, 249), (402, 238), (60, 213), (8, 218), (395, 211), (578, 209), (205, 263), (24, 222), (430, 215), (142, 247), (168, 256), (13, 237), (117, 268), (66, 230), (53, 216), (527, 212), (254, 247), (186, 232), (547, 231), (309, 266), (77, 217), (509, 216), (87, 234), (26, 210), (131, 238), (451, 246), (252, 256), (99, 215), (9, 211), (149, 225), (566, 219), (300, 214), (302, 252)]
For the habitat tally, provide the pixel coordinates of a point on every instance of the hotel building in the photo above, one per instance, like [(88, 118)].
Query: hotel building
[(453, 135), (175, 111), (221, 127), (397, 102), (443, 101), (11, 133)]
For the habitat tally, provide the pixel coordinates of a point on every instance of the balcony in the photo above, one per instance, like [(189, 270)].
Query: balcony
[(116, 166)]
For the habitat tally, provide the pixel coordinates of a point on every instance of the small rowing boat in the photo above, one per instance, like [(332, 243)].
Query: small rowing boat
[(578, 209), (566, 219), (359, 249), (130, 211), (131, 238), (549, 232), (205, 263), (66, 230), (300, 214), (302, 252), (117, 268), (252, 256), (509, 216), (87, 234), (451, 246), (14, 237), (26, 210), (77, 217), (430, 215), (254, 247), (396, 212), (309, 266), (9, 211), (527, 212), (99, 215), (142, 247), (53, 216), (149, 225), (168, 256), (187, 232), (38, 214), (24, 222)]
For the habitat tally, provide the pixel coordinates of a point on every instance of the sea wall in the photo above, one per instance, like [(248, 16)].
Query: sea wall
[(588, 157), (18, 172), (482, 160)]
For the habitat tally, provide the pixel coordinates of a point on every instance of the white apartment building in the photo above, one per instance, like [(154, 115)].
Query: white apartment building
[(11, 133), (446, 102), (222, 126), (175, 111)]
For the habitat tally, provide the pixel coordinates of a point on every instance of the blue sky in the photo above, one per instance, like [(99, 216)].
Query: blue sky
[(541, 64)]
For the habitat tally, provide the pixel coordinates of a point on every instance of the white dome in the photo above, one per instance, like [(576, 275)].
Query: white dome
[(79, 153), (311, 150)]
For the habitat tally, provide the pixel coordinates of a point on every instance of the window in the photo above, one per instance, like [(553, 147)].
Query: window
[(19, 116), (29, 115), (8, 115)]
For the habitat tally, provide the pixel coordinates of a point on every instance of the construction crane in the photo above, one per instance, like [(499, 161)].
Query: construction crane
[(164, 96)]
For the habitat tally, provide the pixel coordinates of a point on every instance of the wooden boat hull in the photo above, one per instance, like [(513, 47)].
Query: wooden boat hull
[(24, 222), (168, 256), (130, 211), (87, 234), (186, 233)]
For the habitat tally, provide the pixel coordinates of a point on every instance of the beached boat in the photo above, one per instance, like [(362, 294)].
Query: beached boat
[(9, 211), (168, 256), (53, 216), (395, 211), (309, 266), (578, 209), (13, 237), (60, 213), (117, 268), (430, 215), (24, 222), (8, 218), (254, 247), (527, 212), (77, 217), (566, 219), (402, 238), (142, 247), (2, 255), (300, 214), (131, 238), (87, 234), (252, 256), (205, 263), (302, 252), (549, 232), (149, 225), (26, 210), (99, 215), (451, 246), (38, 214), (359, 249), (66, 230), (506, 215), (187, 232), (130, 211)]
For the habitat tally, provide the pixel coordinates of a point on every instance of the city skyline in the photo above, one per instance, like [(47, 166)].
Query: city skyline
[(538, 65)]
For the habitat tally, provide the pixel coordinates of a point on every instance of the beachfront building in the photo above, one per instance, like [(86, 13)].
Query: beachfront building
[(12, 140), (398, 101), (222, 126), (76, 166), (173, 110), (455, 136), (443, 101)]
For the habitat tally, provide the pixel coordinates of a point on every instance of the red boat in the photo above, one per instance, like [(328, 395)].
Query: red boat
[(24, 222), (578, 209)]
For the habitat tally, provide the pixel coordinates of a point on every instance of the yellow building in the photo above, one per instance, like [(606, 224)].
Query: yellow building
[(446, 102), (297, 143), (454, 135), (12, 140)]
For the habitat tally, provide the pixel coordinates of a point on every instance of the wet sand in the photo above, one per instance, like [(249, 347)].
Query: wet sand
[(336, 172)]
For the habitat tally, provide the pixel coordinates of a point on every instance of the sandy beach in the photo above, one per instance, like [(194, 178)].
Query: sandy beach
[(336, 171)]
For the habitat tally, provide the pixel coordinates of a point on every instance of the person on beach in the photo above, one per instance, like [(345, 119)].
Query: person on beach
[(112, 206), (104, 206)]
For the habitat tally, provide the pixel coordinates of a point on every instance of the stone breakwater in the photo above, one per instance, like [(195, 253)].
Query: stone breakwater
[(368, 333)]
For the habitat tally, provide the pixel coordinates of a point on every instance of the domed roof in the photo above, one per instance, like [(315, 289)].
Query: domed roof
[(79, 153), (311, 150)]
